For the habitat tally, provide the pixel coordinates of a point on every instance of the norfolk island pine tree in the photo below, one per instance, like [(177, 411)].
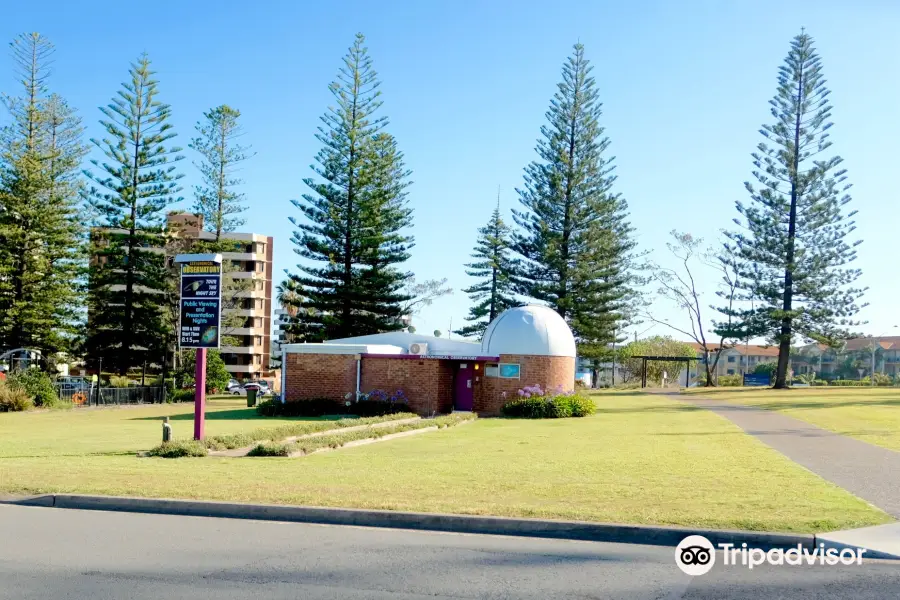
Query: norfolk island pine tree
[(350, 284), (575, 241), (129, 276), (792, 254), (493, 267)]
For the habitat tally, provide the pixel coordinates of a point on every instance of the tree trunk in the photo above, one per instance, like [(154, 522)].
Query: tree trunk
[(784, 346)]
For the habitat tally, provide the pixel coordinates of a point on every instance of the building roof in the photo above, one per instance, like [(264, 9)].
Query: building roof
[(891, 342), (531, 330), (332, 348), (403, 339), (743, 349)]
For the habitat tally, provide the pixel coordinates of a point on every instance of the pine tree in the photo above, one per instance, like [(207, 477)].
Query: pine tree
[(494, 266), (41, 245), (129, 276), (351, 231), (216, 200), (792, 253), (575, 240)]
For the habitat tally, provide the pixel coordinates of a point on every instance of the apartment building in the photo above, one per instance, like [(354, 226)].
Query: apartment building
[(248, 322), (736, 360), (850, 360)]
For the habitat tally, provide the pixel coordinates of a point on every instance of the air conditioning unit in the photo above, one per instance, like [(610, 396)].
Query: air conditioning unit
[(418, 348)]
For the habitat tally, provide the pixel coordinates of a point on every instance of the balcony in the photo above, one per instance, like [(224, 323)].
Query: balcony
[(243, 331), (240, 350), (246, 275), (243, 368), (251, 294), (245, 312), (256, 257)]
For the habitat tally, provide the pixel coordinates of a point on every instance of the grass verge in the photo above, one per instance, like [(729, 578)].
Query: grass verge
[(641, 459), (240, 440), (868, 414), (336, 440)]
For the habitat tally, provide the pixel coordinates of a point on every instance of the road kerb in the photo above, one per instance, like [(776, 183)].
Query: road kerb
[(541, 528)]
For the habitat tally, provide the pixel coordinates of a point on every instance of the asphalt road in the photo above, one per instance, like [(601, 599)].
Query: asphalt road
[(56, 553)]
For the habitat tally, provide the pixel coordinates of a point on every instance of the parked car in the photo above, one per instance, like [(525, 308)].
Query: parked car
[(76, 384), (232, 384), (260, 390)]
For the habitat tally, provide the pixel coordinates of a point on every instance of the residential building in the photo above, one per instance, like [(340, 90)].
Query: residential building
[(852, 359), (248, 320), (735, 360)]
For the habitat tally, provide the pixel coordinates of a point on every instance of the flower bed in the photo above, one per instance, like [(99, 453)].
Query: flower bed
[(532, 402)]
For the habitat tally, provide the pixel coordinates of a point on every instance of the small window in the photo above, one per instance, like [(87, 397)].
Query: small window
[(731, 371), (509, 370), (492, 370), (731, 359)]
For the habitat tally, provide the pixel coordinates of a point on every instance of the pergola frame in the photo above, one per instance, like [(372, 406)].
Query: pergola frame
[(645, 358)]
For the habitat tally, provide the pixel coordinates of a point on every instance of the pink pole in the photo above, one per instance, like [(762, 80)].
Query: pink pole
[(200, 395)]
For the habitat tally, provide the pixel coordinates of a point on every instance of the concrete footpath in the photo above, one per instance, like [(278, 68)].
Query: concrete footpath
[(867, 471)]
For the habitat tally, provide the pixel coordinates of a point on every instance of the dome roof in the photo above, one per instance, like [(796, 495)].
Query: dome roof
[(532, 330)]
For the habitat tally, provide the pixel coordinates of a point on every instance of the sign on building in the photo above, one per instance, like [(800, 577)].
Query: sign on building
[(201, 300)]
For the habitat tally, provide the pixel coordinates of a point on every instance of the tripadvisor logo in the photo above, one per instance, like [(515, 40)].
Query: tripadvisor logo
[(696, 555)]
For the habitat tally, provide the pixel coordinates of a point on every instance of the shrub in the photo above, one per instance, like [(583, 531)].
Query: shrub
[(179, 449), (37, 385), (180, 396), (14, 399), (533, 405), (882, 379), (849, 382), (377, 403), (270, 449), (315, 407), (377, 408), (119, 381), (730, 380)]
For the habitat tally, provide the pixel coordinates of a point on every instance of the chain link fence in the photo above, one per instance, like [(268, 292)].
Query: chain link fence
[(85, 395)]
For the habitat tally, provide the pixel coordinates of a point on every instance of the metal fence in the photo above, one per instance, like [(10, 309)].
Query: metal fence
[(94, 396)]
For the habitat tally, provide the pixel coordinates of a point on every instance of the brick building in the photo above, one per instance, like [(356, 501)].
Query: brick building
[(523, 346)]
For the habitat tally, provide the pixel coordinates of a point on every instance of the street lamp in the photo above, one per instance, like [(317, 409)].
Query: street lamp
[(874, 345)]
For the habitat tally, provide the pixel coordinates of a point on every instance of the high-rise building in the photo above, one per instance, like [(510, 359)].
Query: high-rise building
[(247, 313), (249, 320)]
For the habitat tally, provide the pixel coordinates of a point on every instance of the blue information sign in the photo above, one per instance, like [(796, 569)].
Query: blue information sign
[(755, 379)]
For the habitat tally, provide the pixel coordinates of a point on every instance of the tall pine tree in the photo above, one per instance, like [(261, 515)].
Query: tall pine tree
[(216, 199), (575, 240), (493, 266), (351, 231), (792, 254), (128, 280), (41, 238)]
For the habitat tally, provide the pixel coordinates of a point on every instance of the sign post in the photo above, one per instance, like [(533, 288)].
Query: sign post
[(200, 320)]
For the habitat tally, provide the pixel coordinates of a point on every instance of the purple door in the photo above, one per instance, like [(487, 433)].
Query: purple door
[(463, 392)]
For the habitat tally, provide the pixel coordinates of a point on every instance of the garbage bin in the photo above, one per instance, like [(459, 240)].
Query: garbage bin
[(251, 397)]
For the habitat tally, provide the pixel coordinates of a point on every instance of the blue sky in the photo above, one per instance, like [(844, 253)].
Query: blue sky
[(685, 87)]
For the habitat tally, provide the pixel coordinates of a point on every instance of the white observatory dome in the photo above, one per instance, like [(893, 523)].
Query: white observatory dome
[(531, 330)]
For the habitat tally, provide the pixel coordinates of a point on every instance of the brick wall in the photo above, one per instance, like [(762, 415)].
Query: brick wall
[(310, 376), (549, 372), (428, 384)]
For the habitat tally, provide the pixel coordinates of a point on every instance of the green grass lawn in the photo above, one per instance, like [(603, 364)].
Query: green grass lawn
[(869, 414), (120, 430), (641, 459)]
